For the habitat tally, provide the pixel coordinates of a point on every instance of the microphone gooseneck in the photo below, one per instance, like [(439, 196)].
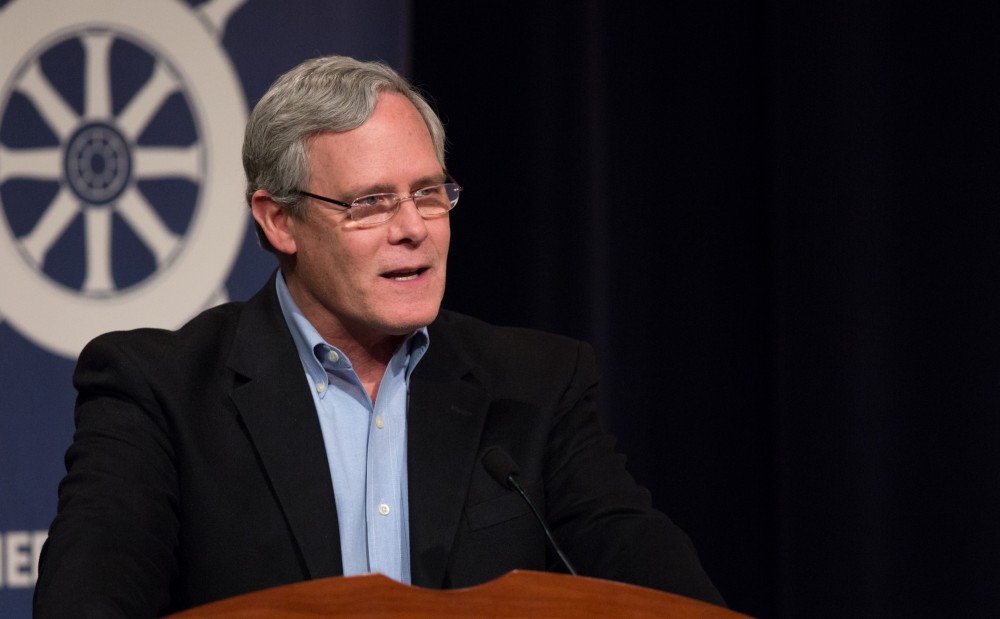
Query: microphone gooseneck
[(504, 470)]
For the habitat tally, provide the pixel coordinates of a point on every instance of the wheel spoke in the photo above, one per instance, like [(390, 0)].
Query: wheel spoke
[(97, 226), (217, 13), (58, 115), (138, 213), (57, 217), (144, 105), (30, 163), (166, 162), (97, 91)]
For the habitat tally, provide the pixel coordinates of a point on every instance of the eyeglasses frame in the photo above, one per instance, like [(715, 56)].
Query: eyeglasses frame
[(399, 199)]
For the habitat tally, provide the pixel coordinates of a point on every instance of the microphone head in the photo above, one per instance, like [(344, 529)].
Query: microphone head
[(500, 466)]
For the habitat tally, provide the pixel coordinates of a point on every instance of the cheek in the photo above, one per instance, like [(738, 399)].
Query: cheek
[(442, 237), (351, 265), (321, 260)]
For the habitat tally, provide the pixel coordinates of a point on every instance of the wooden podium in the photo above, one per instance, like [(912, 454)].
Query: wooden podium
[(517, 594)]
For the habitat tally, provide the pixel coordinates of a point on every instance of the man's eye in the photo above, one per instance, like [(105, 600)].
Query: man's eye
[(372, 200), (428, 191)]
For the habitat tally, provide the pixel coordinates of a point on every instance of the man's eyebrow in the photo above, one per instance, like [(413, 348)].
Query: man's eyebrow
[(420, 183), (366, 190)]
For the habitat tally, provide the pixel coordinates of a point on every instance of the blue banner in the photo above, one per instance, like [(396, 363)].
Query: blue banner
[(121, 195)]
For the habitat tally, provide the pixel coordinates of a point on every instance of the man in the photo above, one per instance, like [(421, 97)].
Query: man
[(335, 423)]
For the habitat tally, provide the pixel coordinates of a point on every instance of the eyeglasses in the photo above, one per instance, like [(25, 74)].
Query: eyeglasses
[(377, 208)]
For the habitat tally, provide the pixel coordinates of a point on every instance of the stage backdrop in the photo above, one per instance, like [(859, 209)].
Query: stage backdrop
[(121, 195)]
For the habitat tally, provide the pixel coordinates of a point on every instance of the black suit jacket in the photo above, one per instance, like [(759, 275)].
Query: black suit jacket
[(198, 470)]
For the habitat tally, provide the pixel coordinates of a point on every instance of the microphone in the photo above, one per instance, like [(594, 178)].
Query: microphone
[(504, 470)]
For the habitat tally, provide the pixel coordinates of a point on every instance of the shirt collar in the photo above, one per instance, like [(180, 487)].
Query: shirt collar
[(318, 356)]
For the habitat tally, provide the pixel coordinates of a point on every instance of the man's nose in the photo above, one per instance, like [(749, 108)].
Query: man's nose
[(407, 224)]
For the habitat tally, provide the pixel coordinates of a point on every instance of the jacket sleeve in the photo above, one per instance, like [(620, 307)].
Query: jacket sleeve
[(603, 519), (110, 550)]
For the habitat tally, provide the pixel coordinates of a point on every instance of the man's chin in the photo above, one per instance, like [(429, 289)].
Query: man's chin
[(405, 325)]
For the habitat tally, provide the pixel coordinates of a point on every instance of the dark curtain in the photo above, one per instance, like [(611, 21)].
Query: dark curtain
[(779, 224)]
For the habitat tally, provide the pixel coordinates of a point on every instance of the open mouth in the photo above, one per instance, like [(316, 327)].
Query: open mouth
[(404, 275)]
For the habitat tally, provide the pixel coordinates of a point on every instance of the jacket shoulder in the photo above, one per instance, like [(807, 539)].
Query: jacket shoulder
[(513, 357), (209, 331), (475, 334)]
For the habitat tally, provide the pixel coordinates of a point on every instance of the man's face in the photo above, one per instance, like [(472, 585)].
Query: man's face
[(361, 282)]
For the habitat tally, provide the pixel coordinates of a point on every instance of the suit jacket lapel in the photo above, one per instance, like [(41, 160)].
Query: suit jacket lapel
[(280, 418), (448, 406)]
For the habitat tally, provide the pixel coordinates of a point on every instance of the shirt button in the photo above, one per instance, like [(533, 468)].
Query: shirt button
[(321, 387), (379, 422), (333, 356), (383, 509)]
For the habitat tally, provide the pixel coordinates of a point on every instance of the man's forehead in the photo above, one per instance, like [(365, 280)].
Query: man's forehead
[(372, 173)]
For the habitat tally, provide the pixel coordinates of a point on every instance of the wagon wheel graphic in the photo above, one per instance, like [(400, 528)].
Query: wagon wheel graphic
[(119, 179), (101, 161)]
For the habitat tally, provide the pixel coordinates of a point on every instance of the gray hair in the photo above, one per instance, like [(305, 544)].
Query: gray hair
[(328, 94)]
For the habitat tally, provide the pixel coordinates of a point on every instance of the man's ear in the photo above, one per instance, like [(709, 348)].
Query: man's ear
[(274, 220)]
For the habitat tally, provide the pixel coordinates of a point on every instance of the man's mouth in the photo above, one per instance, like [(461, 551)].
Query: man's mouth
[(404, 275)]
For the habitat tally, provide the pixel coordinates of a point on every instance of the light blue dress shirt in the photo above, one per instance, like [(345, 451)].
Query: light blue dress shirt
[(365, 445)]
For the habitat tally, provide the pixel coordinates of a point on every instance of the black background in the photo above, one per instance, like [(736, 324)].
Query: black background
[(777, 222)]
